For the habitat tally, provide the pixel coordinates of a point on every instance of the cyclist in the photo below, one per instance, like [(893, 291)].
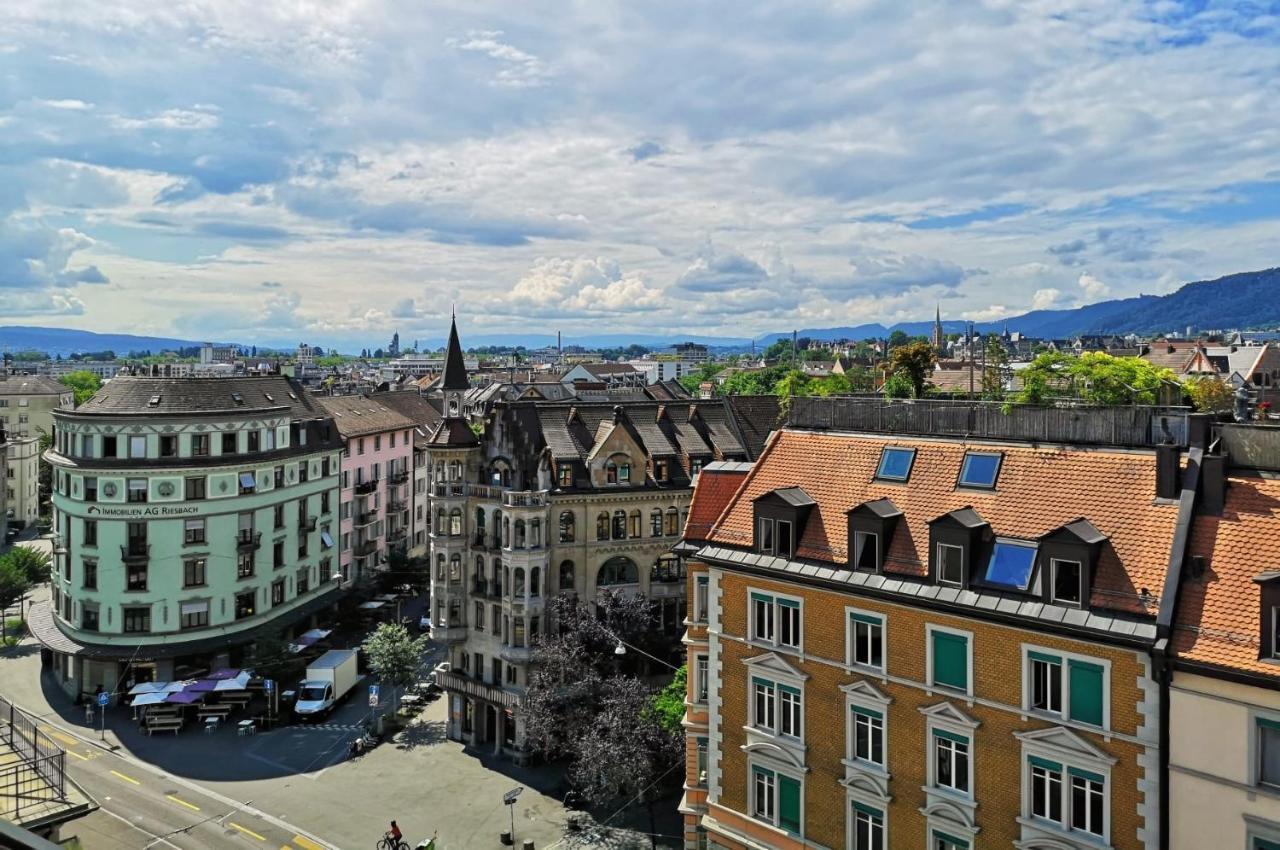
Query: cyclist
[(394, 838)]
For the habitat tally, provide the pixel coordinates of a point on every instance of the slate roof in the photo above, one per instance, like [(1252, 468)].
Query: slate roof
[(1218, 617), (358, 415), (717, 483), (409, 404), (754, 417), (31, 385), (1171, 355), (130, 395), (454, 433), (455, 368), (1039, 491)]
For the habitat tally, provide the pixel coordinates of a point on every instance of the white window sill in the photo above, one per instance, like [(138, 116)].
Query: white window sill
[(868, 767), (1033, 827)]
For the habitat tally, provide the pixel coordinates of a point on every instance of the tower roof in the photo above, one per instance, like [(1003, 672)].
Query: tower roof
[(455, 370)]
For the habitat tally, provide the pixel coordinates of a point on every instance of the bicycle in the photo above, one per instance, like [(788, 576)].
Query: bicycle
[(389, 843)]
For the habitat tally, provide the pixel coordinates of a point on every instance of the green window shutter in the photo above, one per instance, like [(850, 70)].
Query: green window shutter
[(788, 689), (1086, 692), (764, 683), (866, 618), (952, 840), (1084, 774), (951, 660), (1040, 656), (1036, 761), (788, 803), (1270, 724), (760, 597), (1264, 844), (867, 712), (950, 736), (788, 603), (867, 810)]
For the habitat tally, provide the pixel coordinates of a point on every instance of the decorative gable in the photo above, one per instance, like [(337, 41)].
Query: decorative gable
[(946, 713), (864, 691), (1064, 743), (772, 664)]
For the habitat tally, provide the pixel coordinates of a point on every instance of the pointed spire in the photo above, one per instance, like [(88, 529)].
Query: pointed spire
[(455, 368)]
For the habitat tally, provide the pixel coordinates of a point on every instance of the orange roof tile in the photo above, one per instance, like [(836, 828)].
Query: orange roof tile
[(714, 491), (1218, 616), (1038, 491)]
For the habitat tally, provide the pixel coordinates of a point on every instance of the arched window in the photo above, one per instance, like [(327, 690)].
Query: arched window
[(480, 567), (480, 521), (441, 527), (634, 524), (517, 589), (519, 541), (655, 522), (506, 578), (617, 570), (535, 581), (455, 522), (566, 575), (624, 472), (497, 574), (610, 472), (602, 525), (535, 533), (455, 567), (673, 522), (619, 525), (440, 567), (497, 529), (506, 532), (566, 527), (455, 471)]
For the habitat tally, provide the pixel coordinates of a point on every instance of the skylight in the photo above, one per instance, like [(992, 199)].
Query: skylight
[(1011, 563), (895, 463), (155, 400), (237, 398), (980, 469)]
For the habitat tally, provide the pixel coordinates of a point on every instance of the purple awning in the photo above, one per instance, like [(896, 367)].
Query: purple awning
[(184, 697), (224, 673), (201, 686)]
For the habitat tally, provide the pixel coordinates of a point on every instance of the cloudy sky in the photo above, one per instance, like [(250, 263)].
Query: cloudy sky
[(331, 170)]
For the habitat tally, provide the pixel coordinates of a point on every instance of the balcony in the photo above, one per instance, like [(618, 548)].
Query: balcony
[(667, 572), (365, 549), (479, 587), (307, 524), (399, 477), (247, 541), (448, 489), (397, 506), (524, 499), (395, 535), (515, 654), (364, 488), (366, 518), (484, 491), (135, 553), (458, 683)]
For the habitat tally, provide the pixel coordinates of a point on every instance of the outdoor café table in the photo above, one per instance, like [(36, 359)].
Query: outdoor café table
[(246, 727), (211, 723)]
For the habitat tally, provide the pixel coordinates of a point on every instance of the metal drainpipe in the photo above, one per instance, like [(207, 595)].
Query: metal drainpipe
[(1161, 661)]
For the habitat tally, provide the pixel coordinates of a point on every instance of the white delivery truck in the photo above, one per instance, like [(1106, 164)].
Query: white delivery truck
[(328, 680)]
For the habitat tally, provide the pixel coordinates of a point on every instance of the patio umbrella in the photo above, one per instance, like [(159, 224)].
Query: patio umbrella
[(237, 684), (184, 697), (148, 699), (224, 673), (201, 686), (156, 688)]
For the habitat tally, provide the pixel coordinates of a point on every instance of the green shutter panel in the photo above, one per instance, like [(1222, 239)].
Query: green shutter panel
[(1086, 692), (788, 803), (951, 660), (1264, 844)]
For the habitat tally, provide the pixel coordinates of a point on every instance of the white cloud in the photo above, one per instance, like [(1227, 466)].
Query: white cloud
[(68, 104), (205, 118), (1048, 299), (523, 70), (1094, 289)]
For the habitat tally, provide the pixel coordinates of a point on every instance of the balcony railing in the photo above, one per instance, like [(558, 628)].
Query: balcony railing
[(365, 548), (484, 491), (364, 488), (448, 489), (459, 683), (395, 535), (524, 499), (135, 553), (366, 518), (670, 571), (397, 506), (248, 540), (307, 524), (398, 477)]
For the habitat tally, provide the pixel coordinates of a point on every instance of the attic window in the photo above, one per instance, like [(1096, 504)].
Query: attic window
[(292, 396), (895, 463), (237, 398), (980, 469), (269, 397), (155, 400), (1011, 564)]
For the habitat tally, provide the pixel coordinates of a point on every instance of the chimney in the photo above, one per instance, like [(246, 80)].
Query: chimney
[(1198, 429), (1213, 475), (1168, 471)]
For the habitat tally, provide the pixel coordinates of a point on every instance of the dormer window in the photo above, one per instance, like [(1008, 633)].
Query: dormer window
[(1068, 558), (950, 564), (954, 538), (866, 551), (1269, 585), (980, 469), (871, 527), (611, 472), (564, 474), (660, 470), (1065, 582), (895, 463), (780, 517)]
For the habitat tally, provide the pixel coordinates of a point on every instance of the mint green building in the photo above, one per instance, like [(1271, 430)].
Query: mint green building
[(192, 516)]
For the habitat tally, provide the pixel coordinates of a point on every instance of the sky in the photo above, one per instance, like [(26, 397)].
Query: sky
[(335, 170)]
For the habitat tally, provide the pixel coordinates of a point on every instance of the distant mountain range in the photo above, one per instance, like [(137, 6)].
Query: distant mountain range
[(1244, 300)]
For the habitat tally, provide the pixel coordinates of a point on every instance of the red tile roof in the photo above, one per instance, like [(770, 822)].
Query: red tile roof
[(1038, 491), (714, 491), (1218, 620)]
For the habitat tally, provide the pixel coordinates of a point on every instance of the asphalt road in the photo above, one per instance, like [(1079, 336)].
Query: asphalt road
[(165, 811)]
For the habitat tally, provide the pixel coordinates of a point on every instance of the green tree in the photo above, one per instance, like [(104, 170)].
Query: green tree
[(705, 372), (13, 585), (667, 704), (995, 370), (1209, 393), (1094, 377), (898, 385), (395, 656), (33, 563), (915, 362), (898, 338), (754, 382), (83, 383)]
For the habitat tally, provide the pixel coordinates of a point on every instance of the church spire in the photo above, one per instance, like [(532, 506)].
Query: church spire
[(938, 338), (455, 368)]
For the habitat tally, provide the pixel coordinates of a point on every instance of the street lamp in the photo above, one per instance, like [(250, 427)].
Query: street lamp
[(619, 649)]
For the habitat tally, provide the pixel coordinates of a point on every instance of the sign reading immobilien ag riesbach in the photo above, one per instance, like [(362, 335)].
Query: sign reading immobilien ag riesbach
[(139, 512)]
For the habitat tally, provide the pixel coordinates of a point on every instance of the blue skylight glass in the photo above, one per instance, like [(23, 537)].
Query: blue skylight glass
[(979, 470), (895, 463), (1011, 564)]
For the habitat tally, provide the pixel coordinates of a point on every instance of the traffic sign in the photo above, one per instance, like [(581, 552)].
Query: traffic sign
[(510, 797), (104, 698), (268, 685), (373, 696)]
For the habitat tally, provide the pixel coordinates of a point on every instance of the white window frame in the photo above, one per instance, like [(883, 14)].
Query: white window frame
[(775, 607), (701, 598), (955, 726), (852, 825), (930, 685), (761, 524), (1065, 714), (933, 747), (1053, 581), (1255, 748), (850, 660), (701, 678), (875, 551), (775, 820), (776, 708), (854, 709), (942, 563), (1064, 827)]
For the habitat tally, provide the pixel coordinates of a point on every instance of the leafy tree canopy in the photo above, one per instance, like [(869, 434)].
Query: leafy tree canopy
[(1209, 393), (915, 362), (83, 383), (1094, 377)]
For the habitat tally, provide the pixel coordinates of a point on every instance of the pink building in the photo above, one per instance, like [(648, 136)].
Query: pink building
[(377, 470)]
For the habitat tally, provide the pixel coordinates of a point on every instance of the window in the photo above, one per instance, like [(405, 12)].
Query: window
[(700, 591), (194, 614), (866, 551), (950, 761), (566, 575), (193, 572), (671, 523), (88, 618), (86, 444), (109, 445), (868, 828), (777, 708), (90, 532), (277, 592), (602, 526), (136, 576), (254, 440), (948, 659), (660, 470), (137, 489), (168, 445), (229, 442), (136, 620), (302, 581), (277, 516), (979, 469), (193, 531), (783, 542), (619, 525), (277, 554), (1046, 789), (566, 527), (768, 611), (244, 564), (564, 474), (245, 604), (950, 564), (247, 483), (90, 574), (866, 640), (633, 524), (611, 472), (624, 473), (942, 841), (1268, 751), (617, 570), (895, 463), (1046, 682), (1011, 564), (700, 673), (199, 445), (1066, 578), (195, 488), (137, 446), (1087, 801), (775, 798), (90, 489), (868, 735)]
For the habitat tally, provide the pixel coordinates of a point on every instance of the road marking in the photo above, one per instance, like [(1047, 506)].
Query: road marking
[(125, 778), (77, 755), (237, 826), (306, 843), (66, 739), (182, 802)]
